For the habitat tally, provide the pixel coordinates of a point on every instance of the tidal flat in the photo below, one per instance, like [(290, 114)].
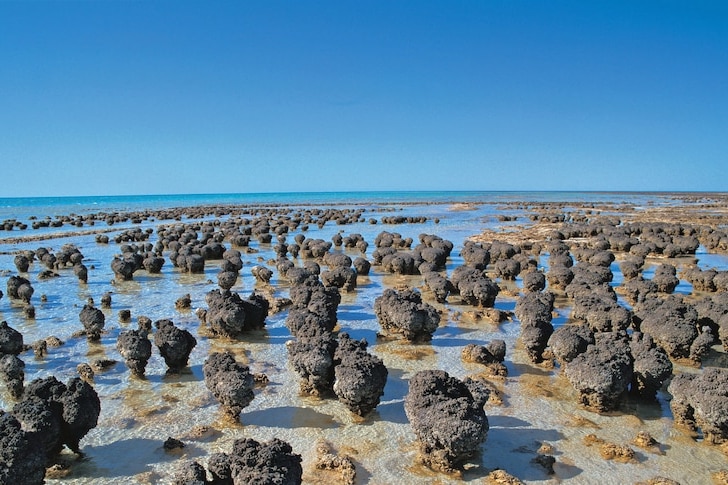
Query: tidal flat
[(541, 427)]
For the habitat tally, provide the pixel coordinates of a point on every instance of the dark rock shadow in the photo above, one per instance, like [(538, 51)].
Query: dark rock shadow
[(289, 417), (512, 445), (129, 457)]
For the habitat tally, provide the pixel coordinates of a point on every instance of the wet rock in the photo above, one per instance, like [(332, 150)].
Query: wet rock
[(400, 262), (314, 308), (665, 278), (507, 269), (671, 322), (603, 373), (475, 255), (11, 341), (230, 382), (501, 477), (172, 444), (474, 287), (144, 323), (652, 366), (568, 341), (22, 263), (19, 288), (190, 473), (174, 344), (12, 373), (701, 401), (440, 286), (183, 302), (81, 272), (227, 279), (136, 349), (637, 290), (76, 404), (93, 321), (230, 315), (125, 315), (403, 313), (106, 300), (534, 312), (702, 280), (340, 466), (362, 266), (153, 264), (262, 274), (490, 355), (124, 268), (546, 462), (271, 462), (86, 372), (449, 423), (631, 268), (340, 277), (23, 460), (359, 377), (559, 276), (534, 281), (601, 312), (312, 359), (587, 278)]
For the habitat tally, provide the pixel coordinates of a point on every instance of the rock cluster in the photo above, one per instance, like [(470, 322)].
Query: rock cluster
[(50, 415), (250, 461)]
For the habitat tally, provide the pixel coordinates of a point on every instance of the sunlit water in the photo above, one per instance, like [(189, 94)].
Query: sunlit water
[(538, 404)]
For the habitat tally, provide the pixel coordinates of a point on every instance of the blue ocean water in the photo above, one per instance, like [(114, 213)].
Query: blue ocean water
[(137, 415), (21, 207)]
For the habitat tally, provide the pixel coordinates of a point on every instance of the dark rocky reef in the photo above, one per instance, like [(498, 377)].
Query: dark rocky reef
[(136, 349), (250, 462), (93, 321), (490, 355), (229, 315), (342, 367), (701, 401), (230, 382), (50, 415), (568, 341), (602, 374), (314, 307), (359, 377), (448, 420), (404, 314), (534, 310), (175, 344), (673, 324), (474, 287)]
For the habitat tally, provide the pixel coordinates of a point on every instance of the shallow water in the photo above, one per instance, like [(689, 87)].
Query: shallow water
[(539, 405)]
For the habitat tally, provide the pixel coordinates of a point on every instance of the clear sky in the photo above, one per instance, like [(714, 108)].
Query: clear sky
[(136, 97)]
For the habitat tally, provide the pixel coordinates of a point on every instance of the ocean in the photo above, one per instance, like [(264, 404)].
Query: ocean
[(539, 406)]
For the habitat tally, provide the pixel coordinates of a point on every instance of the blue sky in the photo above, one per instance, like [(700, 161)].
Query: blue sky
[(136, 97)]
